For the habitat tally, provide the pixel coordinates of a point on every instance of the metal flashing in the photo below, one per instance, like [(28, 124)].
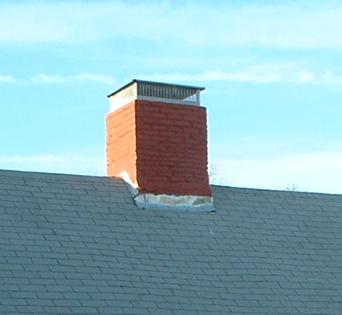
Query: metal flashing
[(173, 202), (168, 202)]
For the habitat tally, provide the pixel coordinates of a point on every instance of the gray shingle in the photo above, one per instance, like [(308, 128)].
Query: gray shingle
[(77, 244)]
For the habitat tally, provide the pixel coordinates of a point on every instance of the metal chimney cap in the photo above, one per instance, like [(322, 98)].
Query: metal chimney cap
[(155, 92), (156, 84)]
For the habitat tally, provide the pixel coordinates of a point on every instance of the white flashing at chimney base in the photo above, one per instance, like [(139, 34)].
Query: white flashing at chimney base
[(132, 186), (164, 201), (185, 202)]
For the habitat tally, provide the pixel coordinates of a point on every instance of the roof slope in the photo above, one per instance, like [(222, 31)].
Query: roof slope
[(78, 245)]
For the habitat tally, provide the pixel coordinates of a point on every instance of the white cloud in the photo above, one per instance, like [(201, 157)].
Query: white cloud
[(55, 163), (6, 79), (241, 76), (288, 24), (81, 77), (254, 74), (44, 78), (320, 172), (305, 77), (325, 78), (101, 78), (332, 78)]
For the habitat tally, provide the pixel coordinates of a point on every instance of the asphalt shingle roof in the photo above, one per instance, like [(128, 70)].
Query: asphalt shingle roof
[(73, 244)]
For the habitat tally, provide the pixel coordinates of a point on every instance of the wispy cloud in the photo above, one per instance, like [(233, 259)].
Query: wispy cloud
[(290, 76), (287, 24), (45, 158), (7, 79), (321, 172), (256, 74), (325, 78), (305, 77), (241, 76), (55, 163), (81, 78)]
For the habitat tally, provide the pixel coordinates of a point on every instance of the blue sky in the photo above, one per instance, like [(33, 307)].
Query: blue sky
[(272, 72)]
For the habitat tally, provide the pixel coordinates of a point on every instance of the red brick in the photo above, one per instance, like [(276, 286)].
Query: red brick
[(162, 146)]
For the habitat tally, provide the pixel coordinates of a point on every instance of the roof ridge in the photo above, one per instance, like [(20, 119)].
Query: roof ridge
[(277, 190), (23, 173)]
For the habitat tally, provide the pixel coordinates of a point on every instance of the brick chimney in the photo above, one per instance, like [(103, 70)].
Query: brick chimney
[(157, 142)]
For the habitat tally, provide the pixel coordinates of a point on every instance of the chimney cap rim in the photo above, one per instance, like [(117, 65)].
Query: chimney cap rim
[(198, 88)]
